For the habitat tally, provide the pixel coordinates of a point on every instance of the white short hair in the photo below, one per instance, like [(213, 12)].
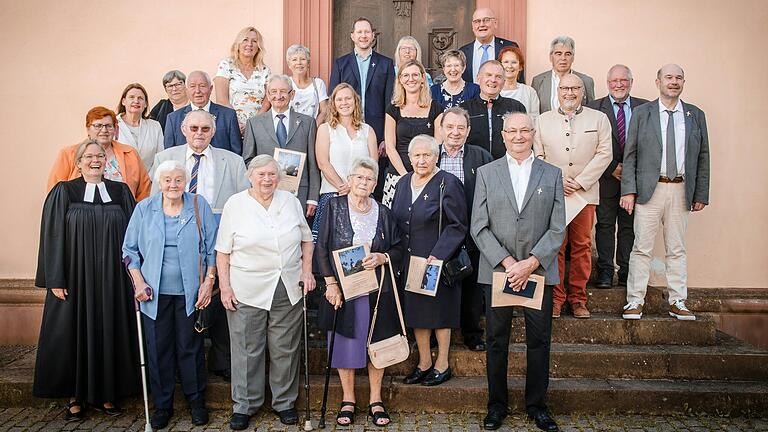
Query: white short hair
[(263, 160), (168, 167), (367, 163), (425, 139)]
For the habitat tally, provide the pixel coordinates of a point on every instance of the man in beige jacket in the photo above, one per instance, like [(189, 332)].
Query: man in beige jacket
[(577, 140)]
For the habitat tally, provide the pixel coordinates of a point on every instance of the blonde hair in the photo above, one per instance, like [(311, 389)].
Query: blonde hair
[(407, 40), (398, 95), (258, 58), (334, 118)]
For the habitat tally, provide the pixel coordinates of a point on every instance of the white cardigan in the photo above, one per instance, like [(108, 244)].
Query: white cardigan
[(150, 139), (264, 246)]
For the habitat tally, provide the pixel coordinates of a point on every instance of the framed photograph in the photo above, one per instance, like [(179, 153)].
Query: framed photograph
[(292, 167), (354, 279), (423, 278), (529, 296)]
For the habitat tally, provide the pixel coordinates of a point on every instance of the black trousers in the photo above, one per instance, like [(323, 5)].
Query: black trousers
[(471, 302), (219, 358), (609, 238), (538, 334), (172, 341)]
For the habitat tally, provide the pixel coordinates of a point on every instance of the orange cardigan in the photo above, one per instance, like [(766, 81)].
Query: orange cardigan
[(131, 168)]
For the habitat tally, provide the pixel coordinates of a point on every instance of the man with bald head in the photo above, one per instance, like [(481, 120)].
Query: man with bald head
[(199, 89), (576, 139), (486, 110), (665, 176), (486, 45), (613, 230), (518, 223), (562, 51)]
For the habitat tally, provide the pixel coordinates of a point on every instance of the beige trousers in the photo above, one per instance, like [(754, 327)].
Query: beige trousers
[(666, 210)]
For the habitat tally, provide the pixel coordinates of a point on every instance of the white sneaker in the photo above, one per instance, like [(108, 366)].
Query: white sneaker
[(632, 311), (679, 311)]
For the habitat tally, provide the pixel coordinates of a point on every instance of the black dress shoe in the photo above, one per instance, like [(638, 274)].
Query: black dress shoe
[(544, 421), (226, 374), (289, 416), (493, 420), (604, 281), (417, 376), (622, 280), (239, 421), (475, 344), (199, 415), (437, 378), (160, 418)]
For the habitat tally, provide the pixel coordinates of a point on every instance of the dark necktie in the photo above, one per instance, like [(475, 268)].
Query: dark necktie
[(193, 178), (621, 125), (671, 152), (282, 133)]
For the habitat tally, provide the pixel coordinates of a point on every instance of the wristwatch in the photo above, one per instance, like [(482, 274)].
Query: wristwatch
[(211, 276)]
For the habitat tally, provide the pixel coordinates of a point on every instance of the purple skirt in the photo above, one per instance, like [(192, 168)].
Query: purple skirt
[(352, 353)]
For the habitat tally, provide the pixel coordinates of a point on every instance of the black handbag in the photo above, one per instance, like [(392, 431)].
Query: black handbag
[(459, 267)]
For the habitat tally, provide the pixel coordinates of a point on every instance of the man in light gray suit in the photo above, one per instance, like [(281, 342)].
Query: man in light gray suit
[(665, 176), (562, 51), (518, 223), (215, 174), (282, 127)]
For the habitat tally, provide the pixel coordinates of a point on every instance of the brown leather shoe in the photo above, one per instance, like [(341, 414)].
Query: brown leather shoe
[(556, 310), (580, 311)]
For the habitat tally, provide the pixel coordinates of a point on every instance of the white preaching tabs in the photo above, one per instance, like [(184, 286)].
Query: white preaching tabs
[(90, 192)]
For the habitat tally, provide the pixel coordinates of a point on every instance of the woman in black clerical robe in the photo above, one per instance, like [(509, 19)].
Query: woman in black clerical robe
[(88, 349)]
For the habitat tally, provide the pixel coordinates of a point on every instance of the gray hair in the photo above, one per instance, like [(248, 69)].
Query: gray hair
[(617, 66), (511, 114), (279, 77), (367, 163), (168, 167), (263, 160), (203, 73), (425, 139), (170, 75), (563, 40), (455, 110), (296, 49), (407, 40), (203, 113)]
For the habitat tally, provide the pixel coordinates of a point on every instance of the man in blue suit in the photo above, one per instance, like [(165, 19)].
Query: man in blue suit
[(486, 45), (199, 88)]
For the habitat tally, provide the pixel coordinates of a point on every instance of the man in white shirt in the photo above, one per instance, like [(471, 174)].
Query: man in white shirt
[(562, 51), (665, 176), (486, 45)]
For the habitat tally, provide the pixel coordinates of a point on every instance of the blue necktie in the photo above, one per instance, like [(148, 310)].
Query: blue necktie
[(193, 179), (484, 57), (282, 133)]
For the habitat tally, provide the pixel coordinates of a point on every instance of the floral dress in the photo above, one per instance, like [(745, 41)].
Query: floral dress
[(245, 94)]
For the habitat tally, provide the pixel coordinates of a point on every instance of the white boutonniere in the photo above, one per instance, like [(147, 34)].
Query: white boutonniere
[(214, 118)]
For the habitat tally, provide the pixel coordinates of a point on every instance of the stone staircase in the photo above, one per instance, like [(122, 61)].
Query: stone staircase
[(656, 365)]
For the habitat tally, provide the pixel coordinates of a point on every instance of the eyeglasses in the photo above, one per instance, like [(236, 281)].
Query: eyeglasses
[(204, 129), (569, 89), (413, 76), (486, 20), (93, 156), (407, 49), (176, 86), (100, 126), (518, 131), (616, 82), (362, 178), (275, 92)]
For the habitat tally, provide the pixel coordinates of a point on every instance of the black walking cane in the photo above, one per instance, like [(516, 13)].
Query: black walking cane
[(148, 290), (324, 406), (307, 418)]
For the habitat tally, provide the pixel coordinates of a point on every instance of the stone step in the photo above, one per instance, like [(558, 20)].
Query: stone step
[(731, 361), (699, 300)]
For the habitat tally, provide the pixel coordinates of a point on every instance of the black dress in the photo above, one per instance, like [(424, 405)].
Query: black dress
[(409, 127), (88, 346), (421, 237), (160, 112)]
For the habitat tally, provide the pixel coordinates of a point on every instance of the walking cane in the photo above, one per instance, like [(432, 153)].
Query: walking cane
[(308, 418), (148, 291), (324, 406)]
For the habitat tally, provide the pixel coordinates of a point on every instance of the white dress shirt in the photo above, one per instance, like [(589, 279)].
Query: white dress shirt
[(520, 174), (206, 175), (264, 246), (555, 101), (477, 55), (679, 117), (286, 120), (206, 108)]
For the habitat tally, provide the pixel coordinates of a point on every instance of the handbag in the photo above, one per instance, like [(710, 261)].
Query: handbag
[(202, 316), (394, 349), (461, 266)]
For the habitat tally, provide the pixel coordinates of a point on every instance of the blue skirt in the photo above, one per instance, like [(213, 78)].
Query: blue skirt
[(352, 353)]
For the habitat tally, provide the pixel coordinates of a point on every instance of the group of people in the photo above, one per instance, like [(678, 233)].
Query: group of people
[(181, 210)]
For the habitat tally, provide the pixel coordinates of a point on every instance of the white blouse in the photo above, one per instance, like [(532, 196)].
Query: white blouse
[(149, 141), (307, 100), (527, 96), (343, 150), (264, 246)]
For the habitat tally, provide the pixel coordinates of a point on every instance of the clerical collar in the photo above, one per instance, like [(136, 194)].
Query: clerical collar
[(90, 192)]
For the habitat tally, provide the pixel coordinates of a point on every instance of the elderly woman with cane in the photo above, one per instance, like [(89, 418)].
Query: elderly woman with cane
[(264, 250), (350, 220), (169, 248)]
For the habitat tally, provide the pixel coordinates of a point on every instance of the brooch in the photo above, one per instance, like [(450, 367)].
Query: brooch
[(538, 191), (688, 113), (425, 197)]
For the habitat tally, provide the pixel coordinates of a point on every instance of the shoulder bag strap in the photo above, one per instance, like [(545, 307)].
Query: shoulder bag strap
[(317, 98), (397, 300), (440, 217), (200, 243)]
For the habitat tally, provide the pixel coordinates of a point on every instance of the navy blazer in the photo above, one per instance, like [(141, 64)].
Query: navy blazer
[(378, 86), (500, 44), (227, 134)]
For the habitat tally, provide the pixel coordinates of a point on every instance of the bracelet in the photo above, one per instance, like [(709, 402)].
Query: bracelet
[(332, 283)]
